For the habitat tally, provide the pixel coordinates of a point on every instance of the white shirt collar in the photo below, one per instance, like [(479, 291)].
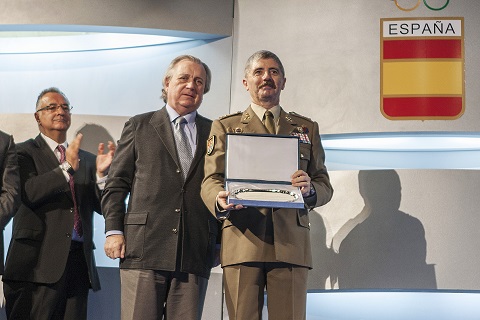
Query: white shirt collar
[(172, 114), (52, 143)]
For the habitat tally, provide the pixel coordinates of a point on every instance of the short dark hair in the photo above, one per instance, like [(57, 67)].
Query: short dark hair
[(168, 73)]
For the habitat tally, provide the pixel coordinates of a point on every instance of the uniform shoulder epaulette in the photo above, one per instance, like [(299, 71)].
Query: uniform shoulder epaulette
[(293, 113), (230, 115)]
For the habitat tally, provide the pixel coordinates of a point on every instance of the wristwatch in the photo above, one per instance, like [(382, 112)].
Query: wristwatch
[(311, 193), (67, 168)]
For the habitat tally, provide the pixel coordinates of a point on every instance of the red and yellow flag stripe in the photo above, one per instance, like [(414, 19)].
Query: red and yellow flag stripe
[(422, 77)]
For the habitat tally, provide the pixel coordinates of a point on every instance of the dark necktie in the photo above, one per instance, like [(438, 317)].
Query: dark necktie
[(268, 122), (77, 222), (183, 146)]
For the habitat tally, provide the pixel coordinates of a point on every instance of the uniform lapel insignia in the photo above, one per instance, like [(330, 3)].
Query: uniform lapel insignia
[(210, 145), (246, 116), (288, 119)]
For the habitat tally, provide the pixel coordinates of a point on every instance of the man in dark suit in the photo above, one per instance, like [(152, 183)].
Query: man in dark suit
[(9, 185), (166, 237), (265, 247), (50, 265)]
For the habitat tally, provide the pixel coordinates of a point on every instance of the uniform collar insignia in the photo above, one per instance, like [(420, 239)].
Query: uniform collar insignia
[(246, 117)]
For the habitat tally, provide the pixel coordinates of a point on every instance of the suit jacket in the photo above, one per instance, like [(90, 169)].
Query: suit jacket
[(9, 186), (42, 227), (266, 234), (166, 225)]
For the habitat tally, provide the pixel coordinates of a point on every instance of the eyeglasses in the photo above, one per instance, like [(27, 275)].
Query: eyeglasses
[(51, 108)]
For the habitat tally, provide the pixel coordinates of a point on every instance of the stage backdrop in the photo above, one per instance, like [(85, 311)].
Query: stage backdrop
[(332, 53)]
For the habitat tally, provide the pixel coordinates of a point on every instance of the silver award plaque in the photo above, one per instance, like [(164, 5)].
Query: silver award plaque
[(258, 170), (276, 195)]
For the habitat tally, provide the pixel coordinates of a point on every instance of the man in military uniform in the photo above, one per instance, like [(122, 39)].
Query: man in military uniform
[(266, 247)]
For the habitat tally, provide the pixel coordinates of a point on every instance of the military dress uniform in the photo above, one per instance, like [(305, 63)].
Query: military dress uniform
[(253, 236)]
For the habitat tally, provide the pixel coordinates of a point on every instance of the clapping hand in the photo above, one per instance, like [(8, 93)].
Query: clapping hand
[(104, 160)]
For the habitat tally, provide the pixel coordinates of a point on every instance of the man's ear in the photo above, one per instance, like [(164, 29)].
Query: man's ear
[(37, 118), (245, 83), (167, 83)]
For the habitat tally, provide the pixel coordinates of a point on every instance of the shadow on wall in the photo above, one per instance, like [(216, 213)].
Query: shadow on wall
[(321, 255), (93, 134), (382, 247)]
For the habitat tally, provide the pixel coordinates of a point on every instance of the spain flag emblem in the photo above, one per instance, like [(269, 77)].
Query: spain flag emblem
[(422, 68)]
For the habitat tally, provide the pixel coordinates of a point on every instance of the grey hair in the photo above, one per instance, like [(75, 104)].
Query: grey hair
[(168, 73), (50, 90), (260, 55)]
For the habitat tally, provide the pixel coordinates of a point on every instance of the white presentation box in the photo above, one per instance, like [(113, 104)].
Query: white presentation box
[(258, 170)]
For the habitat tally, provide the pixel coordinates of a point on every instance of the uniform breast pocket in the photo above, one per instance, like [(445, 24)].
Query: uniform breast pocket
[(135, 224), (304, 155)]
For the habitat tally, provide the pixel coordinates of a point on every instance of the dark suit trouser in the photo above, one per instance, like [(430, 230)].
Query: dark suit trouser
[(245, 286), (66, 299), (154, 295)]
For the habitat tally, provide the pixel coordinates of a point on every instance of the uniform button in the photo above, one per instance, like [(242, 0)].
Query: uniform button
[(178, 170), (68, 235), (301, 155), (174, 230), (177, 210)]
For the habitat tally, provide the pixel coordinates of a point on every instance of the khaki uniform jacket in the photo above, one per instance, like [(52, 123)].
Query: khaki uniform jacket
[(266, 234)]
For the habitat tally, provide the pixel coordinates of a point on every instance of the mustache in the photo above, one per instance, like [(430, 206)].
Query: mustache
[(269, 83)]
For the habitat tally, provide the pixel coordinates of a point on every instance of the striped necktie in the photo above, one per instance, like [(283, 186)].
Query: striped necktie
[(183, 146)]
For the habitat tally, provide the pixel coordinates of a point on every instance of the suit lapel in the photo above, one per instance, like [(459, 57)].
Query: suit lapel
[(50, 162), (47, 157), (203, 130), (161, 123)]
